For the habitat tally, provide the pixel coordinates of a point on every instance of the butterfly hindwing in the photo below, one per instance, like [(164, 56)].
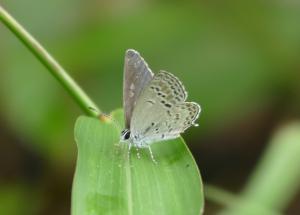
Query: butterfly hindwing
[(183, 116), (161, 111)]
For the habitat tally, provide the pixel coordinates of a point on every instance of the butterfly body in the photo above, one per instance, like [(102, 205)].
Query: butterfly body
[(155, 106)]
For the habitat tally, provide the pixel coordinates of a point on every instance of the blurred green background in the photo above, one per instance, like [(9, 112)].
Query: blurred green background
[(239, 60)]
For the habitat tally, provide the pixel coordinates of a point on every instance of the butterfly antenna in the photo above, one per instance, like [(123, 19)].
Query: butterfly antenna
[(151, 154), (129, 147)]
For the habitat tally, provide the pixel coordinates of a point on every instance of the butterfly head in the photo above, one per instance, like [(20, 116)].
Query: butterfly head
[(135, 140)]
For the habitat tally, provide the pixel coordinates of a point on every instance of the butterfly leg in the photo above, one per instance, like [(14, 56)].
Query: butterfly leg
[(129, 147), (151, 154), (137, 152)]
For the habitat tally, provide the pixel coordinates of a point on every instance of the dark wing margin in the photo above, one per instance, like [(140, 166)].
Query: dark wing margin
[(137, 75)]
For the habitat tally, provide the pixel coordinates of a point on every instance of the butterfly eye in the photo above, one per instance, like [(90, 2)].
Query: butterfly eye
[(127, 135)]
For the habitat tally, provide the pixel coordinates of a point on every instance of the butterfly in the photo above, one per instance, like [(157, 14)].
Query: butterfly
[(155, 106)]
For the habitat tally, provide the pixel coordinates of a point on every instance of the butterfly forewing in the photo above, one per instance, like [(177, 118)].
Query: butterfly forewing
[(137, 75), (161, 111)]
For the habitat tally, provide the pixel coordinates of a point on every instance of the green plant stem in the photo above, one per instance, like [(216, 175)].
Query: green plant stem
[(219, 196), (235, 204), (85, 103)]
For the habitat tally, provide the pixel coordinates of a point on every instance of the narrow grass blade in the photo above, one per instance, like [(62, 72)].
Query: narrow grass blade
[(276, 179)]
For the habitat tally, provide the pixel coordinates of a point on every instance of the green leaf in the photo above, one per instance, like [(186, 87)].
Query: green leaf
[(107, 181)]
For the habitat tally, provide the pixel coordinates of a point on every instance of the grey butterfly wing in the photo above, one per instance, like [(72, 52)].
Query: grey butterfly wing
[(161, 111), (137, 75)]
